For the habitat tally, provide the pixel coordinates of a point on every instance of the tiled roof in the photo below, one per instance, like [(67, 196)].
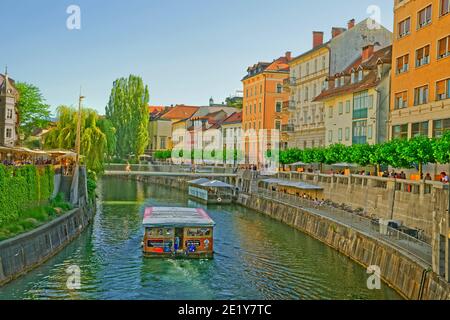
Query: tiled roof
[(370, 80), (278, 65), (234, 118), (180, 112)]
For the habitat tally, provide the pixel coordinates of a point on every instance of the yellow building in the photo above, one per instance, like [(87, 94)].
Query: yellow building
[(420, 95), (357, 100)]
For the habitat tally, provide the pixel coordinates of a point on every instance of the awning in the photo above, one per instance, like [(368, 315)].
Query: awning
[(345, 165)]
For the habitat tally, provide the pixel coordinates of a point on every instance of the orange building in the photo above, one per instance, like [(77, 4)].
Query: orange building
[(420, 89), (264, 95)]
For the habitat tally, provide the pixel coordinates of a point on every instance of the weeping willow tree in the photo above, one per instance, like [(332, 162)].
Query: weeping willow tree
[(94, 141)]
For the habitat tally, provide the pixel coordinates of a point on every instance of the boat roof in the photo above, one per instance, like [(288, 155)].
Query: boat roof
[(203, 182), (293, 184), (176, 217)]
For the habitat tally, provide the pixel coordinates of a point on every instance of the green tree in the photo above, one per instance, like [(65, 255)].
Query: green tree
[(108, 129), (336, 153), (360, 154), (235, 102), (33, 111), (441, 148), (418, 150), (93, 141), (128, 111)]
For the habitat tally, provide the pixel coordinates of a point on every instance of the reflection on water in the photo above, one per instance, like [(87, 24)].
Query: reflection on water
[(256, 258)]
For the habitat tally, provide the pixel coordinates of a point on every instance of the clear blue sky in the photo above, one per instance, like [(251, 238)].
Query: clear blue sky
[(185, 50)]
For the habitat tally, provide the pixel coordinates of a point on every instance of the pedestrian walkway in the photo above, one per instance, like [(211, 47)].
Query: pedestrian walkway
[(412, 246)]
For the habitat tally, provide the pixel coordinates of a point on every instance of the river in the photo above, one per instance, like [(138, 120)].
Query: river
[(256, 258)]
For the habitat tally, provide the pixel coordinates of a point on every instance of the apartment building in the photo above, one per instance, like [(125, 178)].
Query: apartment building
[(420, 93), (356, 100), (9, 114)]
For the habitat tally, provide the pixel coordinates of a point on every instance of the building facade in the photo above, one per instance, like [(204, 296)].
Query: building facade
[(160, 130), (9, 115), (420, 94), (264, 96), (232, 138), (357, 100), (308, 72)]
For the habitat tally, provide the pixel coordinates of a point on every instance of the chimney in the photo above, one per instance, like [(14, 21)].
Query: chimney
[(351, 24), (317, 38), (367, 52), (288, 56), (335, 31)]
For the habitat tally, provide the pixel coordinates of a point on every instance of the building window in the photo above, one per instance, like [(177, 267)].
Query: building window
[(279, 107), (359, 132), (353, 77), (250, 109), (445, 7), (314, 91), (330, 112), (260, 107), (443, 90), (306, 94), (9, 133), (419, 129), (9, 114), (347, 106), (254, 108), (341, 107), (342, 81), (424, 17), (279, 88), (421, 95), (336, 83), (307, 69), (361, 103), (330, 136), (340, 134), (370, 132), (360, 75), (401, 100), (402, 64), (277, 125), (163, 143), (400, 131), (404, 28), (323, 63), (440, 126), (444, 47), (423, 56), (347, 134)]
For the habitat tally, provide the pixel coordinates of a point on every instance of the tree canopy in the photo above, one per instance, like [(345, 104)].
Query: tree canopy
[(128, 112), (33, 111)]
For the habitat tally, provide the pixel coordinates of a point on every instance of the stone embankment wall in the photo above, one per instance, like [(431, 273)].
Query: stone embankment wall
[(25, 252), (407, 276)]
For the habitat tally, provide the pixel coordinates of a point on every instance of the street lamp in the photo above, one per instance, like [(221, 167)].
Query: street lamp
[(78, 141)]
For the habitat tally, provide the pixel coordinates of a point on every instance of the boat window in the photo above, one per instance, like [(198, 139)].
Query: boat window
[(159, 232), (199, 232)]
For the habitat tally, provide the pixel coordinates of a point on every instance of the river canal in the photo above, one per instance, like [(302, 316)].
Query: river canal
[(256, 258)]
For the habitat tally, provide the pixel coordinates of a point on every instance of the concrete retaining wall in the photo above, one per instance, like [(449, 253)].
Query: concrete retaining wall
[(408, 277), (25, 252)]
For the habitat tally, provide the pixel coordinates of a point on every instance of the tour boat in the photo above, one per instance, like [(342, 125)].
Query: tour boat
[(210, 191), (178, 233)]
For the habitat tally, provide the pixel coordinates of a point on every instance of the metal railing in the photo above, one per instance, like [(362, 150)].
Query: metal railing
[(358, 221)]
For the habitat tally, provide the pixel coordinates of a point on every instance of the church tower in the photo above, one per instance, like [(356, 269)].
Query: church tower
[(8, 111)]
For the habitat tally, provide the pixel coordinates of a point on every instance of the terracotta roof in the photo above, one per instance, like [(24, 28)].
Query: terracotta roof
[(234, 118), (152, 109), (180, 112), (278, 65), (370, 80)]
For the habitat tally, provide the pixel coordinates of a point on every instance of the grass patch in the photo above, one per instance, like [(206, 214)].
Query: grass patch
[(32, 218)]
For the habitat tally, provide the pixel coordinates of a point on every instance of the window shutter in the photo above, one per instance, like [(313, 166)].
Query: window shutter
[(442, 47), (420, 54), (440, 88)]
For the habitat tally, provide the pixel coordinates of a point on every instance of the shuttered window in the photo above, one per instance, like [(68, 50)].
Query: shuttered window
[(443, 47)]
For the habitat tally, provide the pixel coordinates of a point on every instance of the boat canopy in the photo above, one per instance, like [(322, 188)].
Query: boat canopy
[(216, 184), (199, 181), (293, 184), (175, 217)]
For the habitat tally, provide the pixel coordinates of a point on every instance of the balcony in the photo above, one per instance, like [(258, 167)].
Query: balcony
[(359, 139), (289, 128), (360, 113), (292, 106)]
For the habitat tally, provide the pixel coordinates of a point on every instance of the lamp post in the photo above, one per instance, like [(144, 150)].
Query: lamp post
[(78, 140)]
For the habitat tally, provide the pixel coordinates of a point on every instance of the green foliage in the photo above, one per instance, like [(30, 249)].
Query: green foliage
[(94, 142), (441, 148), (163, 154), (128, 112), (33, 111), (399, 153), (106, 126), (21, 188), (91, 185)]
